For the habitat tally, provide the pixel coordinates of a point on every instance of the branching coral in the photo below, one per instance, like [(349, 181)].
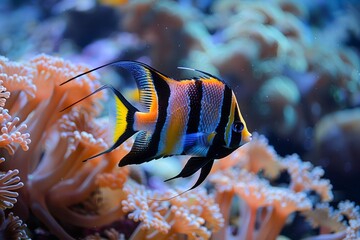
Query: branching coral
[(141, 209), (192, 214)]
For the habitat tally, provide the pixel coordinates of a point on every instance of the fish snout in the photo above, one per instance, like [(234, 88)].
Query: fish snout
[(246, 137)]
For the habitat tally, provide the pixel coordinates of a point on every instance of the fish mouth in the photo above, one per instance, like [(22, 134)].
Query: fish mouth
[(246, 138)]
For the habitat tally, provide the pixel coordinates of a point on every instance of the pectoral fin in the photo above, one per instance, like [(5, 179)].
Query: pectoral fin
[(198, 143), (199, 138)]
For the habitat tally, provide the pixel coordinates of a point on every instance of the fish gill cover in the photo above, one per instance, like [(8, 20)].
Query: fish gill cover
[(295, 70)]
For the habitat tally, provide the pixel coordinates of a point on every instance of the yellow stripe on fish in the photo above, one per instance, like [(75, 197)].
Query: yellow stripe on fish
[(121, 123), (199, 117)]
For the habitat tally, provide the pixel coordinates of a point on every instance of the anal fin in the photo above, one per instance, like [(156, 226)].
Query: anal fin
[(191, 167), (205, 170)]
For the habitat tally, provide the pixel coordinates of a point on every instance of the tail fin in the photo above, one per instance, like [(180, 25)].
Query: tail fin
[(124, 122), (124, 114)]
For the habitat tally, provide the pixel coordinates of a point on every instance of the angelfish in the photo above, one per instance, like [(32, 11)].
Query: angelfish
[(199, 117)]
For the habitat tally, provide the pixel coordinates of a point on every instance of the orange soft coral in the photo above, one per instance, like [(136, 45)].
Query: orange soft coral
[(255, 156), (55, 178), (143, 209), (193, 214), (11, 135), (305, 177), (17, 78), (11, 227), (264, 207), (65, 179), (9, 182), (341, 223)]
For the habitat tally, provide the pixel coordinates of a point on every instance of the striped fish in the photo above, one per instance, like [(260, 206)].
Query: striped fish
[(199, 117)]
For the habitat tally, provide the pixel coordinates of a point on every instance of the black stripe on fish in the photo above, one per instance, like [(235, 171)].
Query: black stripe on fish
[(217, 146), (163, 92), (236, 136), (142, 154), (195, 95)]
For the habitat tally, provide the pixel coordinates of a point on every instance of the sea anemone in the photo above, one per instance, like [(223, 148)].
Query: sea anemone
[(12, 227), (9, 182)]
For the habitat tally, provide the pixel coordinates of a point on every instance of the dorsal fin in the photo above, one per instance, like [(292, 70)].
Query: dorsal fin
[(144, 76), (199, 71)]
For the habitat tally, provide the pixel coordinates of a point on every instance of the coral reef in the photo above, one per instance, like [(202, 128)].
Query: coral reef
[(246, 197)]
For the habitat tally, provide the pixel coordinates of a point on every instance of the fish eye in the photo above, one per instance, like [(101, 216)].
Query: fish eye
[(237, 126)]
